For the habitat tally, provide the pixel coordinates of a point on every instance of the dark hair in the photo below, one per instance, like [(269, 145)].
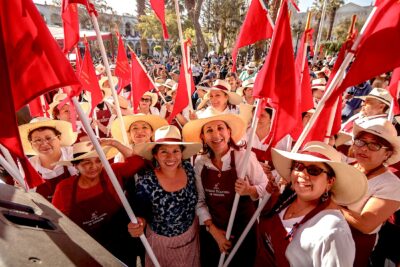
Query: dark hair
[(380, 140), (157, 147), (76, 162), (231, 74), (41, 129)]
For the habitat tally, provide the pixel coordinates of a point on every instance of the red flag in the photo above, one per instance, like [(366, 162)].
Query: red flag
[(88, 78), (159, 8), (378, 50), (122, 69), (78, 60), (256, 27), (31, 64), (37, 108), (277, 78), (303, 73), (140, 81), (394, 89)]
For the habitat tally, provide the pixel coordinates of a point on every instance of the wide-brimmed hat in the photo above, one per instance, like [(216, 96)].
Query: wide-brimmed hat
[(249, 83), (350, 184), (246, 112), (103, 80), (224, 86), (192, 130), (173, 90), (319, 84), (383, 128), (251, 66), (85, 150), (100, 69), (154, 121), (154, 97), (59, 97), (168, 135), (379, 94), (169, 83), (159, 82), (67, 138)]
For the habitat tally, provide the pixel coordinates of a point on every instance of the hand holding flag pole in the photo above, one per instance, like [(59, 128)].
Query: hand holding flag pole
[(112, 176), (11, 167)]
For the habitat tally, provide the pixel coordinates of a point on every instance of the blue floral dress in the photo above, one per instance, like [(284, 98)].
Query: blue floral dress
[(168, 213)]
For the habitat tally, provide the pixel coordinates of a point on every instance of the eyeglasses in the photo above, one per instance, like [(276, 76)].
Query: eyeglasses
[(145, 99), (311, 170), (371, 146), (45, 140)]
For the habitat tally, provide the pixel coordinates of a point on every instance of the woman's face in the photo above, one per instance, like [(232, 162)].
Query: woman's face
[(65, 114), (365, 156), (310, 187), (216, 135), (45, 142), (248, 92), (90, 168), (218, 100), (264, 119), (169, 157), (140, 132), (145, 102)]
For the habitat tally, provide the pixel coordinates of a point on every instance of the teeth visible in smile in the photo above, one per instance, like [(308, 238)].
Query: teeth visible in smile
[(217, 141)]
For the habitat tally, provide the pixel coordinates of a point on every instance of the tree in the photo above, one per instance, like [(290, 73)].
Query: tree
[(194, 9), (331, 7)]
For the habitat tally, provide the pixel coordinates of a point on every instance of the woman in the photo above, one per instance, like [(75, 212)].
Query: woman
[(217, 178), (166, 198), (303, 227), (246, 91), (182, 117), (220, 98), (147, 104), (376, 146), (49, 141), (90, 200)]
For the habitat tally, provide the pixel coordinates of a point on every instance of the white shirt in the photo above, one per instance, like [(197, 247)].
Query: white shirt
[(257, 143), (323, 240), (163, 112), (254, 172), (66, 154), (384, 186)]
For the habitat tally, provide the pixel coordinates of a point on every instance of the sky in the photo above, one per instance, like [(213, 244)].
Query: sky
[(128, 6)]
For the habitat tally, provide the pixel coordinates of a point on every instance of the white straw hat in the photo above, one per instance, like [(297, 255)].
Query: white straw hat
[(249, 83), (380, 94), (224, 86), (319, 84), (350, 184), (168, 135)]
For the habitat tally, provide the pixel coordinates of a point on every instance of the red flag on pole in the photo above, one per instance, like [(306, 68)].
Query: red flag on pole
[(122, 69), (140, 81), (378, 50), (88, 79), (277, 78), (256, 27), (31, 64), (159, 8), (38, 108), (394, 89)]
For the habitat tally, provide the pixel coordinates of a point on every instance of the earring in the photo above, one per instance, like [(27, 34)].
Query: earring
[(325, 196)]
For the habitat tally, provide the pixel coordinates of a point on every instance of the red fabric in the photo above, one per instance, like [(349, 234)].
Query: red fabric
[(304, 74), (37, 109), (79, 61), (295, 5), (89, 79), (378, 50), (256, 27), (320, 128), (277, 78), (182, 96), (123, 171), (35, 63), (394, 89), (159, 9), (70, 20), (122, 69), (140, 81)]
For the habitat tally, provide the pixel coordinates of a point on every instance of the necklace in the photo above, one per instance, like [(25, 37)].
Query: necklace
[(293, 213)]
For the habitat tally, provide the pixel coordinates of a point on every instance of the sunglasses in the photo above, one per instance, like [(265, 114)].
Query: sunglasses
[(311, 169), (371, 146), (145, 99)]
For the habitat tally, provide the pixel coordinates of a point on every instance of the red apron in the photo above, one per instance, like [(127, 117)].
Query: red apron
[(49, 186), (219, 189), (103, 116), (364, 246)]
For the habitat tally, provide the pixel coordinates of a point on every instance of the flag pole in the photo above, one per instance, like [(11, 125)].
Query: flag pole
[(305, 46), (337, 79), (243, 170), (147, 74), (185, 60), (320, 29), (12, 169), (110, 80), (112, 176), (391, 111)]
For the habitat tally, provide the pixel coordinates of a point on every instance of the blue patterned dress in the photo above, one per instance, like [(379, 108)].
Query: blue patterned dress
[(168, 213)]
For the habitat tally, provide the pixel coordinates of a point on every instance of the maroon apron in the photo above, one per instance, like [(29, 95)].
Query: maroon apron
[(219, 189), (94, 215), (174, 121), (103, 116), (49, 186), (364, 246)]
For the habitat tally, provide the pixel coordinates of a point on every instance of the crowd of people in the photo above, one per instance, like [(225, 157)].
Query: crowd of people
[(330, 204)]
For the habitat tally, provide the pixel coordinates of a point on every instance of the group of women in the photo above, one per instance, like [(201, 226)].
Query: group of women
[(182, 179)]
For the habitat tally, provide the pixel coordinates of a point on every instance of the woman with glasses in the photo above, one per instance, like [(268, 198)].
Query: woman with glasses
[(376, 146), (49, 141), (304, 226), (147, 104)]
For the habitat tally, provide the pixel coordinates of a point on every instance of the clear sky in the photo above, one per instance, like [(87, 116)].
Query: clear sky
[(128, 6)]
